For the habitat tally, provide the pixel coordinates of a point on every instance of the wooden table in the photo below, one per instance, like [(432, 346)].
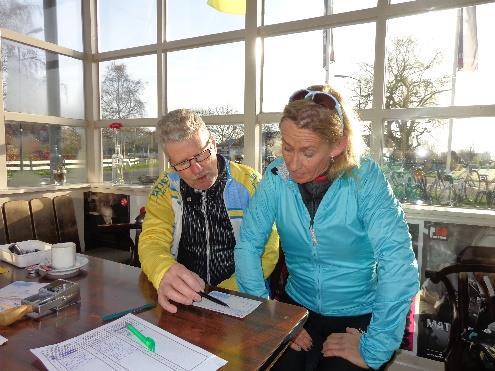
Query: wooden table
[(107, 287)]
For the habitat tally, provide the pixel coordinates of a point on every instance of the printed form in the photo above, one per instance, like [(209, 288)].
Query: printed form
[(113, 347)]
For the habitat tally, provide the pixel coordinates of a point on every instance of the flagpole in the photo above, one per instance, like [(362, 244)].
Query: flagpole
[(327, 41), (452, 96)]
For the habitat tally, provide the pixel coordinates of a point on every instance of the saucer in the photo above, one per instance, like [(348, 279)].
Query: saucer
[(47, 271)]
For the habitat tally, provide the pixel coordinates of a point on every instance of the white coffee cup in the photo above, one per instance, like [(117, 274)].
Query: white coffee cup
[(63, 255)]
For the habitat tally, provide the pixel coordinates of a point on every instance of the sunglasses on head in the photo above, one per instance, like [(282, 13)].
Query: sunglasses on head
[(323, 99)]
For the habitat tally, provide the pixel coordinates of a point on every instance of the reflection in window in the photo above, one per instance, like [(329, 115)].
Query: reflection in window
[(208, 78), (189, 18), (30, 17), (270, 144), (420, 60), (128, 88), (229, 140), (140, 150), (42, 83), (423, 170), (277, 11), (126, 23), (281, 61), (34, 149)]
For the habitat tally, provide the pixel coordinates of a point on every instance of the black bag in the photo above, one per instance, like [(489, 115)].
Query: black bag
[(474, 352)]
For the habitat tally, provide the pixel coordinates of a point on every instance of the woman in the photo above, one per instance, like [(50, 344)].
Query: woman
[(345, 239)]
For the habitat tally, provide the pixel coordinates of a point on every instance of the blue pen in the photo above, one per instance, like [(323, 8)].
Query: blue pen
[(142, 308)]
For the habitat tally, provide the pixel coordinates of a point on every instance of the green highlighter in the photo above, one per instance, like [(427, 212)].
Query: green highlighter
[(148, 342)]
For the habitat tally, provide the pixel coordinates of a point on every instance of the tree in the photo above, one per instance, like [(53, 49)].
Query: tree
[(227, 136), (410, 82), (120, 94)]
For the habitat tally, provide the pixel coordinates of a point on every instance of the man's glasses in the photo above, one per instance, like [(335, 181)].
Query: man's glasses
[(200, 157), (323, 99)]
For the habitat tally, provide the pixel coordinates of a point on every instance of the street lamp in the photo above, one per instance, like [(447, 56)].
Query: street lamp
[(358, 83)]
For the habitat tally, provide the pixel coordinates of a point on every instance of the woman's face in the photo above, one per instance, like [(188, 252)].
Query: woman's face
[(305, 153)]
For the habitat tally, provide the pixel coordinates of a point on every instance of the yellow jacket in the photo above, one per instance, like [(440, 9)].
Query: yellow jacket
[(159, 240)]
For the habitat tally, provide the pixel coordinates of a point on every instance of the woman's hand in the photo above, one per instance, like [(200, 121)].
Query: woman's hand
[(302, 341), (344, 345)]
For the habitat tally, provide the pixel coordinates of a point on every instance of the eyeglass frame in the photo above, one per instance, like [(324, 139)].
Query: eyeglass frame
[(312, 95), (205, 149)]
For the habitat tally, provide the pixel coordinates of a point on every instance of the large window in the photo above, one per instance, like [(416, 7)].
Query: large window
[(35, 152), (209, 79), (42, 83), (189, 18), (128, 88), (126, 23), (419, 76), (58, 22), (140, 154)]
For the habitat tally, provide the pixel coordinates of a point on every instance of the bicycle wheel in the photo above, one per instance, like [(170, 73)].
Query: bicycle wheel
[(445, 194), (472, 186)]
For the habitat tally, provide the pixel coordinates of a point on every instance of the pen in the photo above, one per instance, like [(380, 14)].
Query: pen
[(148, 342), (211, 298), (142, 308)]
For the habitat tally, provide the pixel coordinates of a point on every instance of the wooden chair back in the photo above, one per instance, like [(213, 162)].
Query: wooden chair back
[(66, 220), (3, 231), (18, 220), (44, 223)]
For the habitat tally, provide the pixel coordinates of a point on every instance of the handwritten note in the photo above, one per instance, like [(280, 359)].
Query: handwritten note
[(238, 306), (113, 347)]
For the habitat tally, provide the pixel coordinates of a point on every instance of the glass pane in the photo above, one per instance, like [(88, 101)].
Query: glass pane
[(34, 150), (420, 169), (277, 11), (126, 23), (230, 140), (140, 151), (270, 144), (188, 18), (207, 78), (351, 72), (420, 60), (42, 83), (59, 23), (128, 88)]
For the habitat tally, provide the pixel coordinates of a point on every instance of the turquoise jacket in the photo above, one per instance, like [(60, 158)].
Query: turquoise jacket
[(357, 257)]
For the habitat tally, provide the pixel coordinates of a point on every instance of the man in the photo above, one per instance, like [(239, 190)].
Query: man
[(194, 213)]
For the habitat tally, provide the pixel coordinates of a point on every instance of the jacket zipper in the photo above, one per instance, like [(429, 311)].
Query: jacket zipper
[(311, 223), (203, 208)]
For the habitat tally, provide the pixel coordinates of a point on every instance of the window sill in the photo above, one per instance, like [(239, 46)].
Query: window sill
[(481, 217), (45, 188)]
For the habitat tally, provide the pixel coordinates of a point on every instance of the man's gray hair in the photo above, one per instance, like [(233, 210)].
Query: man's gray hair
[(179, 125)]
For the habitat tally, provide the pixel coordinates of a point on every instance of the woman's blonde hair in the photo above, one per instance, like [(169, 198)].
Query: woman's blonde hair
[(327, 125)]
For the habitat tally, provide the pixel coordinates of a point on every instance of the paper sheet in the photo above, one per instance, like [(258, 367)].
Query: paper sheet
[(238, 306), (11, 295), (113, 347), (2, 340)]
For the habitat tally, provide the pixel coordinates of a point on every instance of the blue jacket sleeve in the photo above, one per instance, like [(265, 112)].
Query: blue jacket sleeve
[(255, 229), (397, 270)]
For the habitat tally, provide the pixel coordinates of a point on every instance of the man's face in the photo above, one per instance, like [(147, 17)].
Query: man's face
[(200, 174)]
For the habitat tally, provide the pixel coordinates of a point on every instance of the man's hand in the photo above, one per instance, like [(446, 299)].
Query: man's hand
[(344, 345), (180, 285), (302, 341)]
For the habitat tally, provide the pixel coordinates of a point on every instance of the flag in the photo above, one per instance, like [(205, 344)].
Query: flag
[(328, 52), (229, 6), (467, 40)]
